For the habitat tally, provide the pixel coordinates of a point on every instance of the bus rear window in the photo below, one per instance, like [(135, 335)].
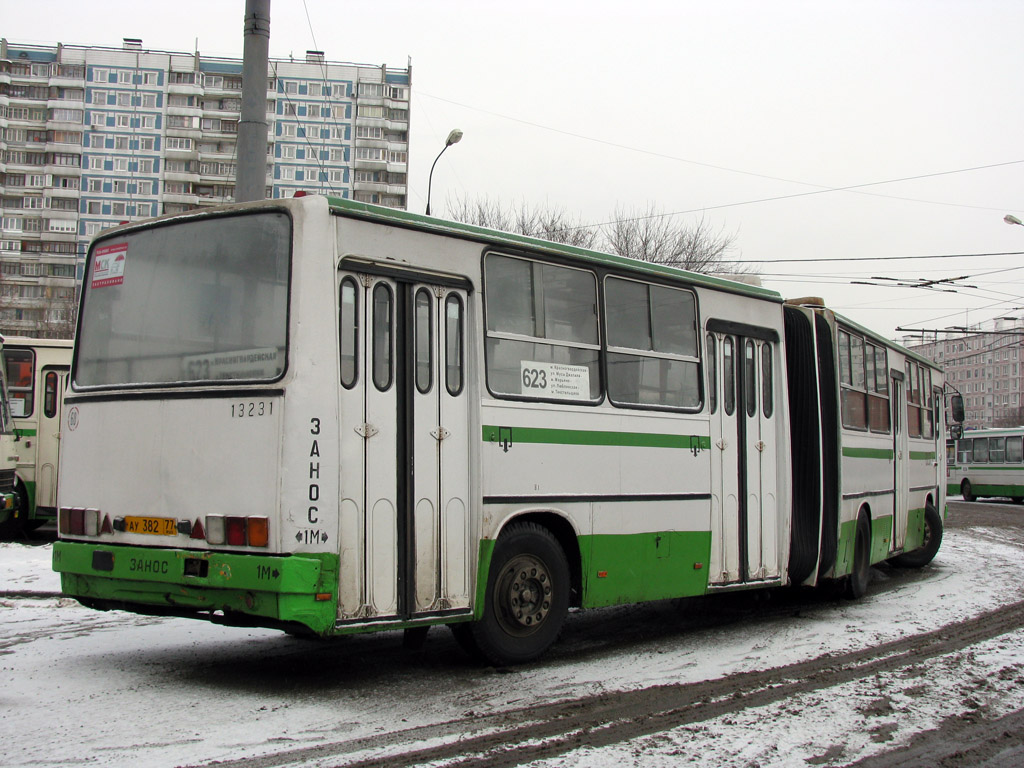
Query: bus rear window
[(197, 301)]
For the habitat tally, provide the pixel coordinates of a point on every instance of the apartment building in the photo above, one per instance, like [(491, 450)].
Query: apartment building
[(985, 364), (91, 137)]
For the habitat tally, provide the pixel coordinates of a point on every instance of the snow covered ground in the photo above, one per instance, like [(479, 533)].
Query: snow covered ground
[(81, 687)]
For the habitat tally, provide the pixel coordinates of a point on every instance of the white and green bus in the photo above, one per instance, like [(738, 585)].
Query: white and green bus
[(988, 462), (12, 519), (37, 375), (331, 417)]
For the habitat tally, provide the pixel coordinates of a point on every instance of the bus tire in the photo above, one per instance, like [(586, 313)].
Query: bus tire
[(526, 601), (859, 578), (924, 554), (965, 490)]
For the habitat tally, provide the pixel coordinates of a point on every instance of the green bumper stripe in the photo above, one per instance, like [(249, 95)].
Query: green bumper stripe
[(279, 588), (514, 435)]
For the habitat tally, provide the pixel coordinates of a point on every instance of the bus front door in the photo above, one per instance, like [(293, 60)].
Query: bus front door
[(405, 483), (54, 380), (745, 529)]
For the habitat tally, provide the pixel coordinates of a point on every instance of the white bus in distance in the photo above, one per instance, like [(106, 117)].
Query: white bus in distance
[(988, 462), (37, 375), (331, 417)]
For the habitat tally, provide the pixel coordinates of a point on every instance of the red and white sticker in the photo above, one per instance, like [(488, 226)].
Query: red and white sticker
[(108, 265)]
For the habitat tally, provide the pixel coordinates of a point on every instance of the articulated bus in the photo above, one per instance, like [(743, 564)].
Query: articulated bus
[(37, 375), (330, 417), (11, 513), (987, 462)]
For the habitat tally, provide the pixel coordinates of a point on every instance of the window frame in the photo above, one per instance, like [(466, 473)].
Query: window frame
[(609, 349), (489, 334)]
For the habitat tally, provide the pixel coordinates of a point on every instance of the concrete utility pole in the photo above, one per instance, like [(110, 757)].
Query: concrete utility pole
[(251, 178)]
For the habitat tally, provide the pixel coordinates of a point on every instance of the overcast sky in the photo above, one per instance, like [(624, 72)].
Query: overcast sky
[(753, 114)]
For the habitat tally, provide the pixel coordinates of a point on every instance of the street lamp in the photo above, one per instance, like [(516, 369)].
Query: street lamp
[(453, 138), (1011, 219)]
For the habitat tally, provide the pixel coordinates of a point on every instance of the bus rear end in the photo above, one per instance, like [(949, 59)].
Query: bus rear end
[(170, 480)]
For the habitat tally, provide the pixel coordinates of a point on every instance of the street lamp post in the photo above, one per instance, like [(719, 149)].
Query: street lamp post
[(453, 138)]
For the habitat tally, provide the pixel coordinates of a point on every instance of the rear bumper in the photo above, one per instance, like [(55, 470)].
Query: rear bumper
[(249, 589)]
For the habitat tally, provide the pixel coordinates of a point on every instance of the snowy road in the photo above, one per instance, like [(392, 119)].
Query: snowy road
[(928, 669)]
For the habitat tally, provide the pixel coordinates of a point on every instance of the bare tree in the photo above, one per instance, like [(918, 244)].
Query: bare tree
[(552, 224), (1014, 418), (650, 235)]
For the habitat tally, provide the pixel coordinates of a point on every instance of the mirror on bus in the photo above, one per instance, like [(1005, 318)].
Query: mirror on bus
[(956, 431), (956, 406)]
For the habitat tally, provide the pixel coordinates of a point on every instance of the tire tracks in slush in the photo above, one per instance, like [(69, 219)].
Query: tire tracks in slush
[(518, 736)]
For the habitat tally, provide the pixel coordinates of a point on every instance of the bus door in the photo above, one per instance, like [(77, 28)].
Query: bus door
[(745, 529), (901, 456), (405, 489), (54, 380)]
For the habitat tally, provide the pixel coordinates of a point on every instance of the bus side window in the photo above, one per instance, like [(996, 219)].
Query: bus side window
[(1014, 449), (750, 378), (424, 342), (711, 356), (348, 327), (382, 328), (767, 403), (19, 363), (453, 344), (728, 376), (965, 450), (50, 395)]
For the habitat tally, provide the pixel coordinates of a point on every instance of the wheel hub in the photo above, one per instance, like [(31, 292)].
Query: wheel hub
[(524, 594)]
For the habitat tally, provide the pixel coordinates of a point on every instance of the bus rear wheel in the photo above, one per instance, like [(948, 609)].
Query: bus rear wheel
[(966, 491), (527, 598), (929, 548), (858, 580)]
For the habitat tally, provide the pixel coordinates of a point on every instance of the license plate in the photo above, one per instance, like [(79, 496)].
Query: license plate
[(155, 526)]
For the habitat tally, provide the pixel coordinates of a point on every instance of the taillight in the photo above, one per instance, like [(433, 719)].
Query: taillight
[(237, 531), (77, 521)]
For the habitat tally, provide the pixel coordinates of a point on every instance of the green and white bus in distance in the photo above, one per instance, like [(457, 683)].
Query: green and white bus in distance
[(988, 462), (331, 418), (11, 515), (37, 376)]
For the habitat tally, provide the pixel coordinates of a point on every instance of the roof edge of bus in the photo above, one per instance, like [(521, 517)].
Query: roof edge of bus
[(372, 212)]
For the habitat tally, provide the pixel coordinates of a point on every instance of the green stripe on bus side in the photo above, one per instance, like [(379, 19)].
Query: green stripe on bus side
[(280, 588), (867, 453), (514, 435), (629, 568), (24, 432), (922, 455), (989, 489), (989, 468)]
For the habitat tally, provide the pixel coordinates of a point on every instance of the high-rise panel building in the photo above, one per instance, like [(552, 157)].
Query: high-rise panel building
[(92, 136), (984, 362)]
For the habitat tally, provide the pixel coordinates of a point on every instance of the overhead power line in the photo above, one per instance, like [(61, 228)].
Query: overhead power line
[(820, 188)]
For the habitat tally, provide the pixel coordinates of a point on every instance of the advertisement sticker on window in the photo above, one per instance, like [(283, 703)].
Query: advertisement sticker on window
[(108, 265)]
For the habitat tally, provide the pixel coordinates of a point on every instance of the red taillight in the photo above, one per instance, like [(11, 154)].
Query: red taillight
[(235, 531), (78, 521)]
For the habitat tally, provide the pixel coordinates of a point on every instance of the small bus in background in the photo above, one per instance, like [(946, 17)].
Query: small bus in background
[(988, 462), (11, 512), (37, 374)]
